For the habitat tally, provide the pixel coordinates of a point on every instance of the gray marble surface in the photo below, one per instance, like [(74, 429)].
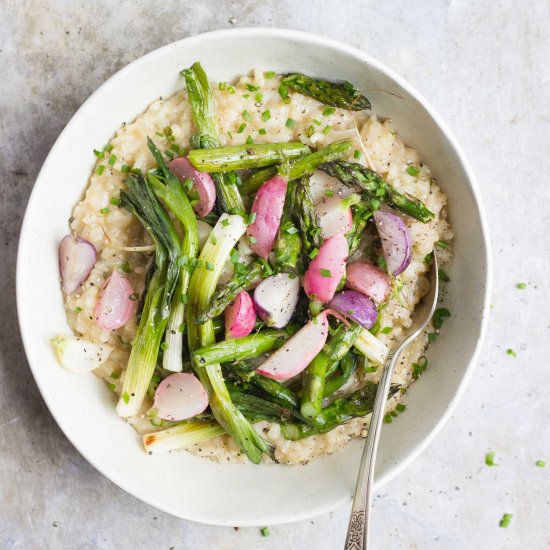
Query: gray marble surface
[(484, 66)]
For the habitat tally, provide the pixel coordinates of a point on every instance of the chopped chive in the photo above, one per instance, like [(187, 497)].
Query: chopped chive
[(388, 419), (283, 92), (184, 299), (262, 131), (258, 98), (413, 171), (125, 169), (290, 123), (328, 111), (181, 328), (329, 192), (249, 140), (316, 121), (443, 277), (310, 131), (246, 96), (77, 309), (266, 115), (505, 521), (108, 148), (429, 258), (371, 369), (125, 267), (112, 159), (268, 75), (210, 266), (326, 273), (313, 253), (442, 244), (164, 346), (357, 154), (241, 128), (540, 463), (252, 240), (225, 223), (438, 317), (231, 89), (213, 239), (99, 154), (511, 352), (230, 135), (100, 169), (136, 170), (521, 286), (235, 256), (167, 131), (222, 85), (105, 210), (246, 116), (419, 367), (112, 387), (251, 218), (115, 201), (291, 230), (252, 87), (126, 397), (386, 330), (401, 407), (327, 129), (490, 459), (264, 531)]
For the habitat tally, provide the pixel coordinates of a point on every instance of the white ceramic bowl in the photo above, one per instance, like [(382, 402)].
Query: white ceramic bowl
[(180, 483)]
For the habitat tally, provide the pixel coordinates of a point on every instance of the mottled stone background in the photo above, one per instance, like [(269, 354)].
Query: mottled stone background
[(485, 67)]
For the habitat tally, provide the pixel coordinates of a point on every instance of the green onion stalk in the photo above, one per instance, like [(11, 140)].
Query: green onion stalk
[(226, 233)]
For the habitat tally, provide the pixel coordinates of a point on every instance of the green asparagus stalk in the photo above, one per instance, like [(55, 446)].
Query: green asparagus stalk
[(213, 256), (240, 349), (288, 243), (348, 365), (313, 386), (338, 94), (227, 293), (310, 232), (257, 409), (362, 212), (340, 343), (300, 167), (139, 199), (241, 157), (359, 403), (204, 113), (355, 175)]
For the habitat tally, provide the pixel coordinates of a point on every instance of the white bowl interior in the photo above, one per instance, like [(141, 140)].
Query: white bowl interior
[(179, 483)]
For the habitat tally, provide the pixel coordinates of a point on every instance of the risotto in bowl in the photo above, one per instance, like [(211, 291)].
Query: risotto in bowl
[(243, 252)]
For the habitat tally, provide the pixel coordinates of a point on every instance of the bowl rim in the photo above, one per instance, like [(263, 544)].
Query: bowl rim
[(359, 55)]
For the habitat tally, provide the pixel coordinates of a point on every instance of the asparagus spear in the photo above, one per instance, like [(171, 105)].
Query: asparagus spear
[(313, 386), (241, 157), (338, 94), (226, 294), (359, 403), (204, 114), (257, 409), (302, 166), (361, 214), (310, 232), (348, 365), (214, 254), (240, 349), (340, 343), (168, 188), (287, 246), (356, 175)]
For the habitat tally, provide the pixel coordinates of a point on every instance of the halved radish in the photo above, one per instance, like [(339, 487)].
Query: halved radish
[(396, 241), (180, 396), (240, 316), (117, 303), (297, 352), (369, 280), (276, 297), (355, 306), (335, 215), (77, 258), (327, 269), (203, 182), (267, 209), (79, 355)]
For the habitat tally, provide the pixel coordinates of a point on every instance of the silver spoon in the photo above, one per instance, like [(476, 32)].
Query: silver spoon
[(357, 537)]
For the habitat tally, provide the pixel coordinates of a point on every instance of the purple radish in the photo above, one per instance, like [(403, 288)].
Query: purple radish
[(396, 241), (77, 258), (355, 306)]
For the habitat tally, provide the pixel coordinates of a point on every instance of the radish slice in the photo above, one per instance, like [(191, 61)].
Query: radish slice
[(327, 269), (297, 352), (79, 355), (355, 306), (268, 208), (276, 297), (396, 241), (369, 280), (77, 258), (240, 316), (203, 182), (335, 215), (116, 306), (180, 396)]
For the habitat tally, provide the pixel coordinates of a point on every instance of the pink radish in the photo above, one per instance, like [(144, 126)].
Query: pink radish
[(116, 305), (369, 280), (355, 306), (77, 258), (335, 215), (267, 209), (297, 352), (240, 316), (396, 241), (180, 396), (327, 269), (203, 182), (276, 297)]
